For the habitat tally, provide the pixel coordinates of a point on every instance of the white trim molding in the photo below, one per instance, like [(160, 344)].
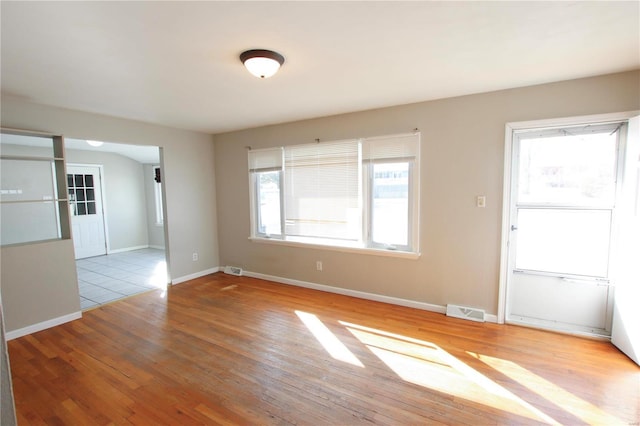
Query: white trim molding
[(344, 248), (122, 250), (359, 294), (193, 276), (14, 334)]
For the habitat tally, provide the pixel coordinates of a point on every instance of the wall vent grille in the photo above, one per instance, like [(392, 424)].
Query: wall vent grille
[(464, 312), (233, 270)]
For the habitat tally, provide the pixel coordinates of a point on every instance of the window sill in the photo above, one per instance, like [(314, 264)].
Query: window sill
[(343, 248)]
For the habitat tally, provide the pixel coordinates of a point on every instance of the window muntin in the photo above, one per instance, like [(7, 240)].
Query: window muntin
[(355, 193), (82, 198)]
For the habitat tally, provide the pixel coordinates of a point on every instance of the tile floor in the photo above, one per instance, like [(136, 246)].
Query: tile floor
[(103, 279)]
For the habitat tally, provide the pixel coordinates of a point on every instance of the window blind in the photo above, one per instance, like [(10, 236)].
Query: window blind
[(322, 190), (391, 147), (264, 160)]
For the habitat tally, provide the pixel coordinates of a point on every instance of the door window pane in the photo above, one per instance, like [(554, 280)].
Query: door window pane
[(564, 241), (569, 169), (390, 203)]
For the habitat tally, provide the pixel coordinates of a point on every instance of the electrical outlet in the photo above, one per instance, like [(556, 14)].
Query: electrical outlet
[(481, 201), (194, 256), (319, 265)]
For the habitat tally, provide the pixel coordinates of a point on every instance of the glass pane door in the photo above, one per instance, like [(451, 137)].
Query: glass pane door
[(564, 185)]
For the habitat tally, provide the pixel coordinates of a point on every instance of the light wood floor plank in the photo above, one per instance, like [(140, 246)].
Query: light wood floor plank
[(224, 350)]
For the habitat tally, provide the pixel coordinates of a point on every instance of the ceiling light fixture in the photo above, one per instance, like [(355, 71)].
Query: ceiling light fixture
[(95, 143), (262, 63)]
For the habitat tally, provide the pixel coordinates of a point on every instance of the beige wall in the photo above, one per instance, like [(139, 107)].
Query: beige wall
[(462, 157), (189, 185), (39, 283)]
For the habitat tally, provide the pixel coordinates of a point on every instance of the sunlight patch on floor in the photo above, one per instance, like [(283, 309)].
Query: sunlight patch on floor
[(426, 364), (580, 408), (327, 339), (159, 276)]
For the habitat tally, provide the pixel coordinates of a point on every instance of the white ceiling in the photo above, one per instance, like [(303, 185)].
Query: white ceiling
[(176, 63), (141, 153)]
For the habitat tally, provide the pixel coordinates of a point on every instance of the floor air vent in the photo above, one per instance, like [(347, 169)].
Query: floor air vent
[(472, 314), (233, 270)]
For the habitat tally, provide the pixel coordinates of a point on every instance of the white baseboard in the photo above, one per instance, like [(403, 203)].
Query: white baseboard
[(360, 294), (122, 250), (194, 276), (491, 318), (353, 293), (14, 334), (156, 247)]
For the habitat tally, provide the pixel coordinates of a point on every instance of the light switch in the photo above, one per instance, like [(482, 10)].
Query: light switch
[(481, 201)]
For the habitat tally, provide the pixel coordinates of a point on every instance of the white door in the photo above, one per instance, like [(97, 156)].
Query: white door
[(625, 332), (87, 216), (564, 185)]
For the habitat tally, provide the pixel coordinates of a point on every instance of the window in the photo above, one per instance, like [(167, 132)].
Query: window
[(566, 184), (360, 193), (157, 177), (82, 197), (390, 203)]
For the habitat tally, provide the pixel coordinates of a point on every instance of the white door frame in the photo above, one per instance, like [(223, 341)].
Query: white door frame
[(103, 195), (510, 128)]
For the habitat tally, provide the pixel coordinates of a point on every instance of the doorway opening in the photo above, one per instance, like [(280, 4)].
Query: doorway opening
[(116, 206), (561, 224)]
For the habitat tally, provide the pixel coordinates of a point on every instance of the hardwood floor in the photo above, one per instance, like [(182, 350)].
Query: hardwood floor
[(235, 350)]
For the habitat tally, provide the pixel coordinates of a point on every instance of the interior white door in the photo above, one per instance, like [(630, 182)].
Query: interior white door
[(625, 332), (564, 185), (87, 216)]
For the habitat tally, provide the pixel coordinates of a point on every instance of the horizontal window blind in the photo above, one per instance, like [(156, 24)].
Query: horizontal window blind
[(322, 190), (262, 160), (391, 147)]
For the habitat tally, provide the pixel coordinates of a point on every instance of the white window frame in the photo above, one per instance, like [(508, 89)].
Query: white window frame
[(256, 208), (368, 214), (365, 244)]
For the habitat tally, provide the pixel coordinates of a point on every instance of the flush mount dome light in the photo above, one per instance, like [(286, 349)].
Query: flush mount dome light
[(95, 143), (262, 63)]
